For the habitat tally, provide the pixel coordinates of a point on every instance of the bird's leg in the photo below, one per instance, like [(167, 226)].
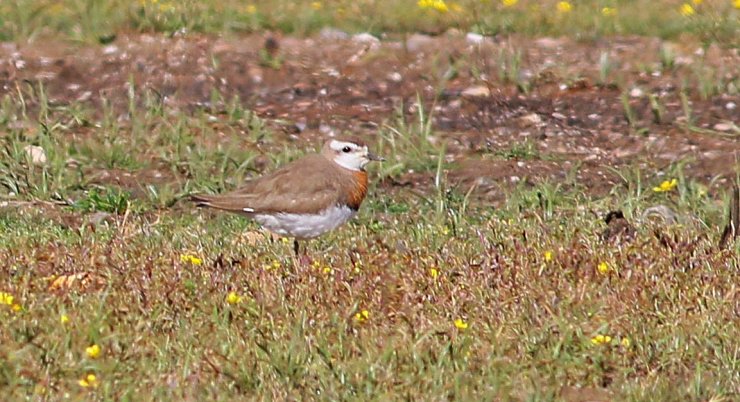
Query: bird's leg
[(303, 259)]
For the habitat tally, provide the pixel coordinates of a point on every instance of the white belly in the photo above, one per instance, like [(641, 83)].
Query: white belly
[(305, 226)]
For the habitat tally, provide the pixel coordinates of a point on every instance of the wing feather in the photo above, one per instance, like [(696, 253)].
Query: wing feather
[(308, 185)]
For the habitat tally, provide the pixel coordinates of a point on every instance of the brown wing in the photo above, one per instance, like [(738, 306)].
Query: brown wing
[(304, 186)]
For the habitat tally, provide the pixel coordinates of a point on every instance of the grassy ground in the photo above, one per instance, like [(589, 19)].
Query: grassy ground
[(427, 295), (113, 287), (99, 21)]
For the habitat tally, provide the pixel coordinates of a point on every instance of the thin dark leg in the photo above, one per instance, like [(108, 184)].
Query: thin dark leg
[(295, 246)]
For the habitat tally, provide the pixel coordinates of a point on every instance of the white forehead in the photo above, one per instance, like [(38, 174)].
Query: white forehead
[(338, 145)]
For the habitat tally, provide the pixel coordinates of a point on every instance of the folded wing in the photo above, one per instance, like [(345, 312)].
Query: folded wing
[(302, 189)]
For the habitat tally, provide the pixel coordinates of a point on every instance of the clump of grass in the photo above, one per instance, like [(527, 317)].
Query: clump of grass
[(656, 108), (104, 200), (667, 56), (524, 150), (606, 66), (411, 145), (689, 117), (510, 65)]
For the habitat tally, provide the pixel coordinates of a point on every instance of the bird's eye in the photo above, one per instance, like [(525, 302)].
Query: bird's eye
[(346, 150)]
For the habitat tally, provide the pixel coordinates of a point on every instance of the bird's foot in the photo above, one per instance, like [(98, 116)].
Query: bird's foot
[(305, 260)]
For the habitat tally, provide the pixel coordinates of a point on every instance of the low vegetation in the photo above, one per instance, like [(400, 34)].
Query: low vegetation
[(114, 287)]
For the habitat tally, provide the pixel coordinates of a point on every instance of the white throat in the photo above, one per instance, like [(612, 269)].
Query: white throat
[(348, 162)]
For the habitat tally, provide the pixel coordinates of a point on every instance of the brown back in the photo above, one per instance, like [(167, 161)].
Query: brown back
[(305, 186)]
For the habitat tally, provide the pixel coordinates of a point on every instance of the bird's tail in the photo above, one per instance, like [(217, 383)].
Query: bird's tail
[(202, 200), (222, 202)]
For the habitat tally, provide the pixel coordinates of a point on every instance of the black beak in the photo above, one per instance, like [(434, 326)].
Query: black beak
[(374, 157)]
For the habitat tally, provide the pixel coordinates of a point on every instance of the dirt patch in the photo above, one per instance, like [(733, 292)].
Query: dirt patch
[(552, 94)]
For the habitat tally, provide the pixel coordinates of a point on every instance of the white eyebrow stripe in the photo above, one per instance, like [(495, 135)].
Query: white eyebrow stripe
[(338, 145)]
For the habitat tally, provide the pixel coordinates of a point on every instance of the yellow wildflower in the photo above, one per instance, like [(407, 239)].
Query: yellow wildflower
[(233, 298), (275, 264), (285, 240), (438, 5), (687, 10), (697, 2), (89, 381), (548, 256), (509, 3), (608, 11), (251, 9), (434, 273), (39, 389), (460, 324), (316, 5), (362, 316), (64, 319), (666, 186), (601, 339), (736, 4), (191, 259), (93, 351), (6, 298), (625, 342), (17, 307), (327, 270), (564, 7), (603, 268)]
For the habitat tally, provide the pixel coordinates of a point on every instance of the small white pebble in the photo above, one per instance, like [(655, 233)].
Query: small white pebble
[(559, 116), (722, 127), (474, 38), (395, 76), (366, 38), (110, 49), (36, 154)]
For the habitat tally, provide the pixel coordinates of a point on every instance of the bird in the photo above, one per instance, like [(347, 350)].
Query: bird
[(307, 197)]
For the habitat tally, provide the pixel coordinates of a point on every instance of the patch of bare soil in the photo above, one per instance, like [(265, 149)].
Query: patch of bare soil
[(324, 85)]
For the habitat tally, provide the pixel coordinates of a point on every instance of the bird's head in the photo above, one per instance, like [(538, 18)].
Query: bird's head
[(349, 154)]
